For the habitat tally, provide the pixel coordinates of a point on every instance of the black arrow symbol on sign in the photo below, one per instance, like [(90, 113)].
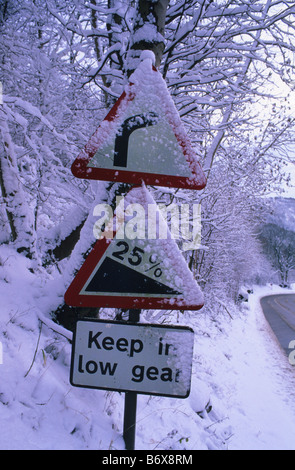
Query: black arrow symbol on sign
[(130, 125)]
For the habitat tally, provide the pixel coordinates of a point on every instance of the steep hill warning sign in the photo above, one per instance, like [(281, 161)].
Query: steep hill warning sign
[(142, 139)]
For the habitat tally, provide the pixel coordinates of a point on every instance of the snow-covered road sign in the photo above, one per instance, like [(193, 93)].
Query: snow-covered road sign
[(142, 139), (135, 273), (148, 359)]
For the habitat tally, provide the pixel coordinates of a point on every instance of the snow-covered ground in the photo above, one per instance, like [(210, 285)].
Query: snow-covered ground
[(238, 366)]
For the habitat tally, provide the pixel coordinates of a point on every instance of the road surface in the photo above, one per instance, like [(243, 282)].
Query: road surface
[(279, 310)]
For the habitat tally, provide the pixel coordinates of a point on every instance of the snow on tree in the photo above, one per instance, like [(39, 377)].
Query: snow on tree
[(64, 65)]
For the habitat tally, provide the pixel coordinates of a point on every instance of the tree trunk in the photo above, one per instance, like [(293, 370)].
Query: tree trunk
[(148, 32)]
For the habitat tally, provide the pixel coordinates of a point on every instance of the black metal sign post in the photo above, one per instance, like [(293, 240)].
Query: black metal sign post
[(130, 420), (129, 427)]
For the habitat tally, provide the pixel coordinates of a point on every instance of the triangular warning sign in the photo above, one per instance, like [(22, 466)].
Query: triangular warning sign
[(142, 139), (129, 272)]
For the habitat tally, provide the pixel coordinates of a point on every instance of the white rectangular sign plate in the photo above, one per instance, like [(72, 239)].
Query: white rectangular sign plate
[(144, 358)]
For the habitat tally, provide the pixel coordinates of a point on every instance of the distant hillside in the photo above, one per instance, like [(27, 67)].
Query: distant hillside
[(283, 213), (278, 238)]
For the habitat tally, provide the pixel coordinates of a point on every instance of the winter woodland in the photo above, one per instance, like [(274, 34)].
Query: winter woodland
[(225, 63), (229, 67)]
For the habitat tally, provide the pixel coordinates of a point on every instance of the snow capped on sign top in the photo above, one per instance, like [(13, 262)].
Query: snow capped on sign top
[(148, 55)]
